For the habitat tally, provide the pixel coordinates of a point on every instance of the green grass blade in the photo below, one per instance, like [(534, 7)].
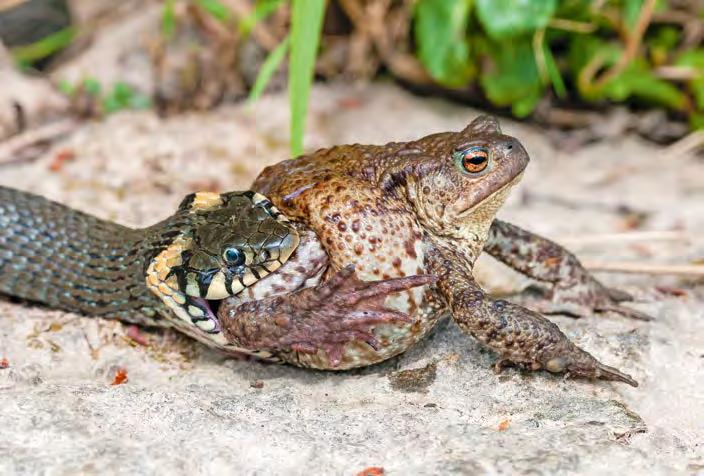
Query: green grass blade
[(168, 19), (266, 72), (262, 9), (43, 48), (558, 84), (216, 9), (306, 25)]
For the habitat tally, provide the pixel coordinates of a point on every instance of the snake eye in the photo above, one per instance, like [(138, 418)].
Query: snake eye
[(472, 160), (234, 256)]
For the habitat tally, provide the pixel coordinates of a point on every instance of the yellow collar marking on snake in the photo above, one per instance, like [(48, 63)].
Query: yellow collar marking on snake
[(237, 239), (206, 201)]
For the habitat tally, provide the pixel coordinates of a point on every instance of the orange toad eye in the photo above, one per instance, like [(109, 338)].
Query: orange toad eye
[(472, 160)]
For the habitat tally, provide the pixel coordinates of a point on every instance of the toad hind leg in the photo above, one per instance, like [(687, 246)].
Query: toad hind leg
[(517, 334), (573, 291)]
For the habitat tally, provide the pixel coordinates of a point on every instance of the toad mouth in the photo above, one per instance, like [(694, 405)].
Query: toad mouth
[(469, 210)]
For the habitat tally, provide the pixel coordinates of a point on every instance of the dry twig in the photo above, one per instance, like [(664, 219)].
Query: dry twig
[(571, 25), (686, 145), (628, 237), (645, 268), (29, 144), (634, 40), (372, 21), (677, 73)]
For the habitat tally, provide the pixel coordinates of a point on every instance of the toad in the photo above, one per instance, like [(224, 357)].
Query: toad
[(397, 229)]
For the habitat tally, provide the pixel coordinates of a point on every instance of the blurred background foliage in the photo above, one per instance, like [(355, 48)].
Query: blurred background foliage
[(519, 51), (519, 57)]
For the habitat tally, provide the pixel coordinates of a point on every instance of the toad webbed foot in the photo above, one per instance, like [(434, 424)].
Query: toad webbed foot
[(341, 310), (535, 343), (569, 287), (517, 334)]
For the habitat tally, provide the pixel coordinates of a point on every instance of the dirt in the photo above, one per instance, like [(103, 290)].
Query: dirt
[(414, 380), (182, 408)]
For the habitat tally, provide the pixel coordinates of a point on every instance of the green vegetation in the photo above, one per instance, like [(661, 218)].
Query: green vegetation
[(119, 97), (269, 67), (510, 53), (27, 55), (514, 53), (518, 51)]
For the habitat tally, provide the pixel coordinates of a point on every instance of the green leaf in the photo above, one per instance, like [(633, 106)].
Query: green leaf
[(584, 52), (168, 19), (632, 9), (306, 26), (583, 49), (270, 66), (262, 9), (43, 48), (92, 86), (576, 10), (524, 106), (440, 32), (510, 18), (696, 120), (115, 99), (216, 9), (666, 37), (514, 79), (66, 87), (123, 92), (639, 82), (631, 12), (694, 59), (140, 101), (111, 105), (123, 96)]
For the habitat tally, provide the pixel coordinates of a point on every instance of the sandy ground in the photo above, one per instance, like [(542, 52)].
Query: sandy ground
[(438, 409)]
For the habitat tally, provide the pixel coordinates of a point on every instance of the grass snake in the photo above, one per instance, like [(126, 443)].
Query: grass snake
[(213, 246)]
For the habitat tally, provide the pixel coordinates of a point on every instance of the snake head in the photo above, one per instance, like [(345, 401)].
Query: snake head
[(227, 243)]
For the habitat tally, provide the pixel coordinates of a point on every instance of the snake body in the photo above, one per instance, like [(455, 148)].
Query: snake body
[(213, 247)]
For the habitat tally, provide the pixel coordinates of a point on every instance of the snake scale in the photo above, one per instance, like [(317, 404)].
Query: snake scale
[(214, 246)]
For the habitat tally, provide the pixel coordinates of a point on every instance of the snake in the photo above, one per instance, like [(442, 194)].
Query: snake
[(169, 274)]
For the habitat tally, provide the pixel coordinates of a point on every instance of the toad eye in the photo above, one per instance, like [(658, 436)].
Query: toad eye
[(472, 160), (234, 256)]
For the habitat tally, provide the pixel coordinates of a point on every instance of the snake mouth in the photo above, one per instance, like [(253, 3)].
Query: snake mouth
[(234, 241), (203, 313)]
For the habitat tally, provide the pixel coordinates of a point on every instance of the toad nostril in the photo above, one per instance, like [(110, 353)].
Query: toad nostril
[(509, 146)]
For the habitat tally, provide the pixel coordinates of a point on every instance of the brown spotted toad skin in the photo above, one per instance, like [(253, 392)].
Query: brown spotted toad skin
[(407, 211)]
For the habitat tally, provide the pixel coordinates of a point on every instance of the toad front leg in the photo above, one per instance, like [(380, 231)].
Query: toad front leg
[(327, 317), (517, 334), (573, 289)]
